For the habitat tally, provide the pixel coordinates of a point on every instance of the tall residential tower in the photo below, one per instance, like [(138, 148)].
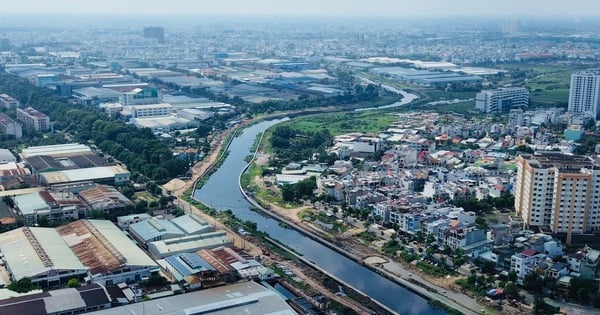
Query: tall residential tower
[(584, 95), (559, 192)]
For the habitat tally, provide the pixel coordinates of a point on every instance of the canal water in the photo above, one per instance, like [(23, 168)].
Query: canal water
[(222, 193)]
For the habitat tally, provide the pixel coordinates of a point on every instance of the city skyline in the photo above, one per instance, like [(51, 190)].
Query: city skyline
[(383, 8)]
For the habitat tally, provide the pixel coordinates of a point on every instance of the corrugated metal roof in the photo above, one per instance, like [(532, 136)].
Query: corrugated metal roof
[(192, 224), (30, 203), (56, 150), (25, 257), (152, 229), (102, 247), (189, 243)]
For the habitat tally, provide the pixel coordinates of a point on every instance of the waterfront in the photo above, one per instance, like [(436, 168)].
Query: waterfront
[(221, 192)]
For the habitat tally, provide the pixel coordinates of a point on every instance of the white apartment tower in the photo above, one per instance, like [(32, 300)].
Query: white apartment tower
[(584, 94), (560, 192), (502, 99)]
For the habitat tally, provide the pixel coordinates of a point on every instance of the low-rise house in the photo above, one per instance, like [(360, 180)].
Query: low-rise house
[(574, 261), (557, 270), (526, 262), (590, 265), (471, 239)]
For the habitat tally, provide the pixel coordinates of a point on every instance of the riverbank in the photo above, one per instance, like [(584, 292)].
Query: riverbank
[(393, 271), (219, 191), (183, 190)]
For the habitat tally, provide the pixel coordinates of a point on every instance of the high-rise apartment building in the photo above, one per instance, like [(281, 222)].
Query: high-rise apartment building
[(584, 94), (502, 99), (156, 32), (558, 191), (33, 118)]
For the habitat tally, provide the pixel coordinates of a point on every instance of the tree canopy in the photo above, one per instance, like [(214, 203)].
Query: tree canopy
[(137, 148)]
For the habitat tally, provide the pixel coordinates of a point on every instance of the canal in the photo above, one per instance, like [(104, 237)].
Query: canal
[(221, 192)]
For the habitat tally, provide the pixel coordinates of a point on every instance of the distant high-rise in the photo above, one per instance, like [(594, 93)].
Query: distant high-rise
[(502, 100), (511, 28), (4, 44), (584, 95), (156, 32)]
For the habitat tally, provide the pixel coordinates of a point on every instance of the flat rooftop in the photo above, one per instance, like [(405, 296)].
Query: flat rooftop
[(248, 298), (564, 162)]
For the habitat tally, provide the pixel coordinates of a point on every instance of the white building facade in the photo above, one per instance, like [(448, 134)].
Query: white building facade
[(501, 100), (584, 94)]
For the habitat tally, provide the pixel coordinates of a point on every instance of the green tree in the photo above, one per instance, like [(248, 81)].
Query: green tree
[(533, 283), (141, 206), (512, 276), (287, 193), (73, 283), (154, 281), (511, 290), (22, 285)]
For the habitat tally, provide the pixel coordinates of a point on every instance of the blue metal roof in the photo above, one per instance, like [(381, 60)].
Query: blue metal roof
[(188, 263)]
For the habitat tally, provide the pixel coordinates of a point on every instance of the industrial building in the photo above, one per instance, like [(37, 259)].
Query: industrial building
[(6, 156), (191, 243), (70, 163), (103, 198), (240, 298), (56, 150), (153, 229), (148, 110), (93, 96), (125, 221), (427, 77), (110, 256), (113, 175), (41, 255), (87, 298), (51, 206)]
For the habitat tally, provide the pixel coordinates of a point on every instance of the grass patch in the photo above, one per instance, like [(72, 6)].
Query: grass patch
[(460, 108), (433, 270), (306, 215), (367, 237), (144, 195), (340, 123)]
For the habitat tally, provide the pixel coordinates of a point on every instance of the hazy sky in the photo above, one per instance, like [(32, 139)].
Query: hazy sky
[(521, 8)]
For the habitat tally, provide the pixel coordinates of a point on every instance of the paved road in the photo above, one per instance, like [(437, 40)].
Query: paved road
[(573, 309), (457, 300)]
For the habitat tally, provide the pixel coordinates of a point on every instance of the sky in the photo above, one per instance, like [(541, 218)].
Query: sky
[(350, 8)]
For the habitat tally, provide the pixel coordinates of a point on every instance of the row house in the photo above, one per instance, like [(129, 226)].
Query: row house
[(459, 235), (526, 262)]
